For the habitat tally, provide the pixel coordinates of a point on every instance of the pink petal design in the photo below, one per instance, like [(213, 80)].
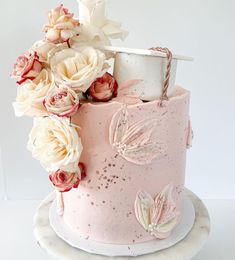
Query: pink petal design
[(120, 126), (144, 154), (159, 216), (190, 135), (143, 203), (163, 213), (134, 142), (126, 88), (128, 93)]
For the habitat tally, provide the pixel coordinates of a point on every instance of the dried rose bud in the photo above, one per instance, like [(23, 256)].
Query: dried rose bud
[(103, 89), (62, 26)]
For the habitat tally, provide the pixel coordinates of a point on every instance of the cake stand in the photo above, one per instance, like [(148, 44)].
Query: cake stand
[(186, 249)]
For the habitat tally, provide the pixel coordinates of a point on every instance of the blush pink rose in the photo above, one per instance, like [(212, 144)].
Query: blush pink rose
[(62, 26), (104, 88), (27, 66), (62, 101), (65, 181)]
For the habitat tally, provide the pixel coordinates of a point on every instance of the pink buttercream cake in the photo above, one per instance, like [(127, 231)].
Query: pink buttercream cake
[(113, 143), (103, 207)]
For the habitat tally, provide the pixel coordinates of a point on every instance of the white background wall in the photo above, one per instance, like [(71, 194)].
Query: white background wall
[(204, 29)]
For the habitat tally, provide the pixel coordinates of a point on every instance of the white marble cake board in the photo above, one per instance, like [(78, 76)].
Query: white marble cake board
[(186, 249), (75, 240)]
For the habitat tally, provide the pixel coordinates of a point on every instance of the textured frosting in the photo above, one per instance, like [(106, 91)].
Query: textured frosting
[(102, 208), (158, 216)]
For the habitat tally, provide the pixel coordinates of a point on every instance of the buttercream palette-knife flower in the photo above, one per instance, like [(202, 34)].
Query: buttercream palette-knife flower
[(112, 139)]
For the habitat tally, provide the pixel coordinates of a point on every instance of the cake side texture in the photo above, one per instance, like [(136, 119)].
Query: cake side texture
[(103, 207)]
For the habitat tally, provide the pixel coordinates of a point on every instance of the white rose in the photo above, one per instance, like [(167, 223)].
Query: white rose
[(78, 68), (30, 95), (55, 144), (42, 48), (45, 50)]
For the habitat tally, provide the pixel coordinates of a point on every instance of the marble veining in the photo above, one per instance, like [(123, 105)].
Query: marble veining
[(184, 250)]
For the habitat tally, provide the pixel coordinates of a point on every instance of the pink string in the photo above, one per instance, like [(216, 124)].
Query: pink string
[(168, 71)]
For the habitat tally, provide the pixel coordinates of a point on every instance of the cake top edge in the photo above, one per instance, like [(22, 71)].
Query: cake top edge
[(144, 52), (179, 93)]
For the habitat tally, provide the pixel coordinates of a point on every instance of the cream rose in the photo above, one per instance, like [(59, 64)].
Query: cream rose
[(30, 95), (78, 68), (62, 101), (42, 48), (46, 50), (55, 144)]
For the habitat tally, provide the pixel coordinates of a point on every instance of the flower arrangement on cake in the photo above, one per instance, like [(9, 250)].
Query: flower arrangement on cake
[(55, 76), (113, 143)]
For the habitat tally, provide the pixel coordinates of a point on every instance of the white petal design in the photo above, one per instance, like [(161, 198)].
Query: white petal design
[(143, 203), (122, 126), (158, 216), (144, 154), (141, 130), (134, 142), (167, 227), (163, 213)]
